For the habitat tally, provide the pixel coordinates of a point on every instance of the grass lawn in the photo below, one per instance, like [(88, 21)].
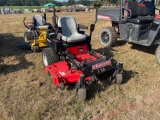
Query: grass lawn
[(27, 92)]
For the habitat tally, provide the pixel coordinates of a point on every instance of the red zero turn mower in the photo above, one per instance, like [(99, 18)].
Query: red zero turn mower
[(70, 59)]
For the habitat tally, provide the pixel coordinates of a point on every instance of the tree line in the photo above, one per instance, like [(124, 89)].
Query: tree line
[(42, 2)]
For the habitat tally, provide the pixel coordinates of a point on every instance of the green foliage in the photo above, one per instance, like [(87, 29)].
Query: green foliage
[(22, 7), (71, 2), (102, 2), (42, 2)]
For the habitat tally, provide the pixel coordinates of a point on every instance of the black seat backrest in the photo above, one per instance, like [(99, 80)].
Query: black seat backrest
[(140, 9), (150, 6)]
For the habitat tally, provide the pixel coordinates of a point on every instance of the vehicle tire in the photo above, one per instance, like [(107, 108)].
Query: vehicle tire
[(82, 94), (108, 36), (27, 37), (118, 78), (62, 86), (36, 48), (94, 79), (49, 57), (157, 54)]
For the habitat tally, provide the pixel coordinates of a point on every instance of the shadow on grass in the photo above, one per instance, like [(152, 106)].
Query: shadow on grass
[(120, 42), (150, 49), (127, 75), (105, 82), (147, 49), (8, 49), (108, 52)]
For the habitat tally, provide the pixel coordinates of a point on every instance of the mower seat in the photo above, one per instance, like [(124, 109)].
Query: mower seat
[(141, 20), (69, 30), (39, 22), (141, 13)]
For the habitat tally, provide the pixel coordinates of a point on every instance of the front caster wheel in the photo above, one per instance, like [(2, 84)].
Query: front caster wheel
[(62, 86), (82, 94), (118, 78), (94, 79)]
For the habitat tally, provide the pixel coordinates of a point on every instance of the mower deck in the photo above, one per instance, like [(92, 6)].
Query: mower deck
[(61, 72)]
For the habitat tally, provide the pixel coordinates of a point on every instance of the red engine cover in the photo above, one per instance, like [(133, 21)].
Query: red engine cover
[(77, 50)]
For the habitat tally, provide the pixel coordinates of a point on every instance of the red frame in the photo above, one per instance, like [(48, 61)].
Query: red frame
[(77, 50), (61, 73)]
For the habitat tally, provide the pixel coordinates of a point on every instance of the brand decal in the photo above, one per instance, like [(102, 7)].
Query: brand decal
[(100, 65), (101, 17), (80, 49)]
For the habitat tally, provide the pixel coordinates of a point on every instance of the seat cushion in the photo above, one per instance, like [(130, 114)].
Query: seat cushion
[(140, 9), (75, 37), (141, 20), (69, 30)]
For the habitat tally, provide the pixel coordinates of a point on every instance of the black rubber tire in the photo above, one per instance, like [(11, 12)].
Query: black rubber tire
[(108, 37), (82, 94), (36, 48), (118, 78), (157, 54), (49, 57), (26, 36), (62, 86), (94, 79)]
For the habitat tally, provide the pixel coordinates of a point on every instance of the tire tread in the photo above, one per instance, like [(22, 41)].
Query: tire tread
[(51, 57), (112, 33)]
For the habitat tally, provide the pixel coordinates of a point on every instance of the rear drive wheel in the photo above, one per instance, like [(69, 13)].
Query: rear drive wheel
[(82, 94), (27, 37), (118, 79), (48, 57), (108, 36), (157, 53)]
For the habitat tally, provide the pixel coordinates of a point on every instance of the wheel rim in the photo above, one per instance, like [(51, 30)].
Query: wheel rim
[(105, 37), (45, 60)]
